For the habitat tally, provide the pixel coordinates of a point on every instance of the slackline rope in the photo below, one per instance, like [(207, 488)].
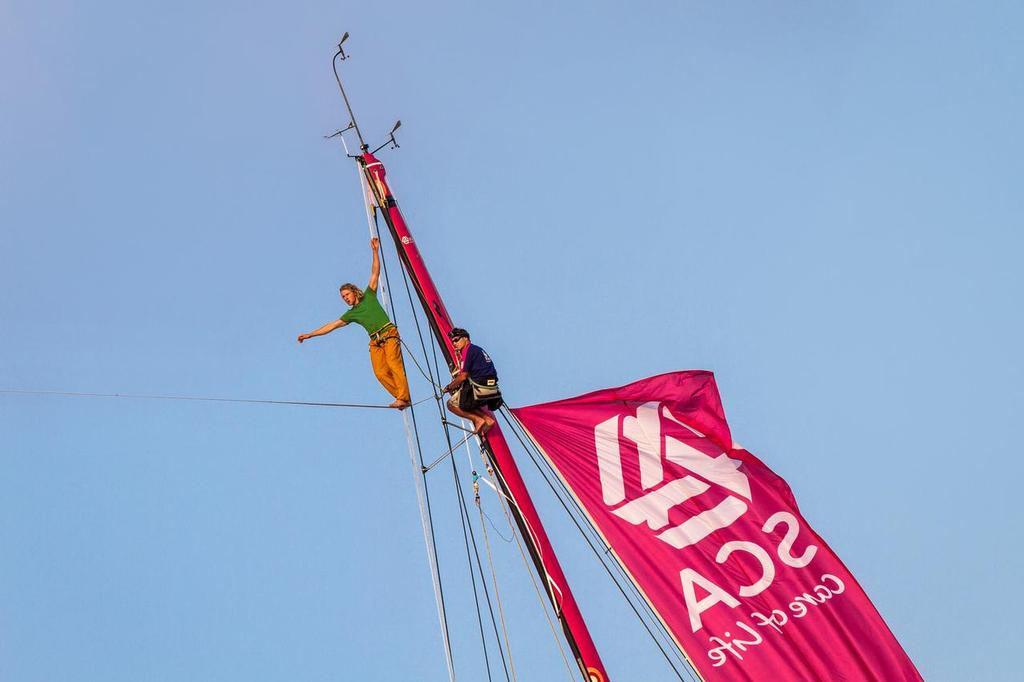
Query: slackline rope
[(367, 406)]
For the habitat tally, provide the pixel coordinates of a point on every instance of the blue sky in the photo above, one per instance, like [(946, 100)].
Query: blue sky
[(820, 202)]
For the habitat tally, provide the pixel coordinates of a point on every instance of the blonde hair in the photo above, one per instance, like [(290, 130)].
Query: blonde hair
[(354, 289)]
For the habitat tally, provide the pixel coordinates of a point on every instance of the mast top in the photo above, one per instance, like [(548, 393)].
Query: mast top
[(341, 56)]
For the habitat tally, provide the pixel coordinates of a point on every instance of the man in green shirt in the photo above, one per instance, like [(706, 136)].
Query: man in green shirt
[(385, 344)]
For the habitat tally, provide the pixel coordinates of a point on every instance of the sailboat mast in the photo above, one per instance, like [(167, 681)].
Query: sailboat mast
[(494, 444), (531, 528)]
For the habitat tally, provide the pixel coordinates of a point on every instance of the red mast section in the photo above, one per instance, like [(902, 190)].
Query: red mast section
[(494, 442)]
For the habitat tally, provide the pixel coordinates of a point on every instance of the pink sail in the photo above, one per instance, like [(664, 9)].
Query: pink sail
[(712, 537)]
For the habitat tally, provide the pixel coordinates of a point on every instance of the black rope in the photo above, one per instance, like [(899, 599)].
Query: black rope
[(600, 555), (201, 399), (496, 530), (417, 363)]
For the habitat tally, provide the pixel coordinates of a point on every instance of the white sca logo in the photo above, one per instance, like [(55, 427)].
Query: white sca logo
[(653, 506), (659, 496)]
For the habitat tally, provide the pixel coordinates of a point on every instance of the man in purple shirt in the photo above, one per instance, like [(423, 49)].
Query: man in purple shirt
[(475, 388)]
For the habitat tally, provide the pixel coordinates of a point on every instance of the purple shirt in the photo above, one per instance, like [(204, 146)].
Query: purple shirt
[(477, 363)]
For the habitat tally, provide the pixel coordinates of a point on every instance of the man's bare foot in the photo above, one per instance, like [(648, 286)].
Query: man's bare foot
[(400, 404), (486, 426)]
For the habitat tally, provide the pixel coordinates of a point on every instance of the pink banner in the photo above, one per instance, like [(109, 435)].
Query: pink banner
[(712, 537)]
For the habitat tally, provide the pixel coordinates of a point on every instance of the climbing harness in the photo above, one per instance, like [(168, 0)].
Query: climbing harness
[(388, 331)]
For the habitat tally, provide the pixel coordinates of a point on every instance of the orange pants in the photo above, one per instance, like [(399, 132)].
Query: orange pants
[(386, 358)]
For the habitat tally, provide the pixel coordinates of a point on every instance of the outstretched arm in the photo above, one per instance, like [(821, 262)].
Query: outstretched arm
[(375, 268), (326, 329)]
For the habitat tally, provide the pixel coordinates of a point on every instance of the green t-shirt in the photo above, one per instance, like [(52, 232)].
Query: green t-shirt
[(368, 312)]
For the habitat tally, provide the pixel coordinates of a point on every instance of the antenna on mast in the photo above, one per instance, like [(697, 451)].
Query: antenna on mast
[(341, 50), (341, 56), (391, 139)]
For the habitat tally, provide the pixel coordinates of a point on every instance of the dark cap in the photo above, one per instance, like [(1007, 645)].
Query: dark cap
[(457, 333)]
